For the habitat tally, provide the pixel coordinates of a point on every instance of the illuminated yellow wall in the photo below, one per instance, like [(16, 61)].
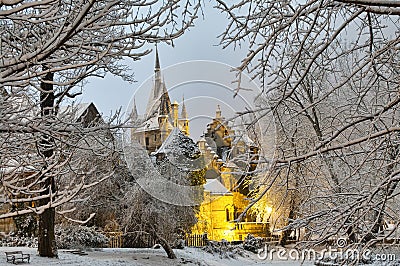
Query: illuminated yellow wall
[(213, 215), (184, 126), (216, 217)]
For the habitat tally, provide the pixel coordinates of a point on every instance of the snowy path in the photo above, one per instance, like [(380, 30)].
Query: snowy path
[(142, 257)]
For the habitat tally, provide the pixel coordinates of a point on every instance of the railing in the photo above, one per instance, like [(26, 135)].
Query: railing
[(115, 239), (196, 240), (139, 240), (255, 228)]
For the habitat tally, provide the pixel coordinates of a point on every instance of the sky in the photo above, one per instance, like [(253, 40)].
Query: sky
[(199, 43)]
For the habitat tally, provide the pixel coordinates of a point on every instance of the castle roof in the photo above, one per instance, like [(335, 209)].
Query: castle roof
[(149, 125), (22, 104), (216, 187), (84, 112), (79, 109)]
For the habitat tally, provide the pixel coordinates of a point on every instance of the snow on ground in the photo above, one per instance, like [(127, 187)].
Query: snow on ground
[(142, 257)]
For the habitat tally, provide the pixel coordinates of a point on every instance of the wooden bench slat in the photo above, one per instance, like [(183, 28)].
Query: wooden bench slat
[(14, 256)]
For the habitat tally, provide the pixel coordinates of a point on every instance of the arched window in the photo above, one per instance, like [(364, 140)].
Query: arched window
[(228, 218)]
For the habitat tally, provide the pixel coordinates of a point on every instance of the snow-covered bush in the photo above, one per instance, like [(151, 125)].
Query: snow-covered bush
[(179, 243), (252, 243), (15, 240), (224, 249), (26, 224), (72, 236)]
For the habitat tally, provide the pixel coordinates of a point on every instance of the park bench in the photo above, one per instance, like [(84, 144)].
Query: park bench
[(17, 256)]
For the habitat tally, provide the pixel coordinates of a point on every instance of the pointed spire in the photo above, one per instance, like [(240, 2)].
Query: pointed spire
[(157, 90), (157, 69), (157, 66), (134, 111), (165, 102), (184, 113)]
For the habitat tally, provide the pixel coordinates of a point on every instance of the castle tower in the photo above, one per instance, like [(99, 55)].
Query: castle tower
[(202, 144), (158, 91), (184, 121), (184, 112), (161, 115), (220, 133), (165, 127), (175, 113), (218, 113)]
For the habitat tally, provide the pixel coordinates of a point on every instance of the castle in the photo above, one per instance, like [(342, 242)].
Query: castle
[(226, 188), (161, 115)]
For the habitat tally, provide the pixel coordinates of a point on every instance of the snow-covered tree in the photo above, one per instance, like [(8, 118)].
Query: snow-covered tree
[(43, 166), (330, 70), (47, 49), (88, 37), (162, 201), (126, 202)]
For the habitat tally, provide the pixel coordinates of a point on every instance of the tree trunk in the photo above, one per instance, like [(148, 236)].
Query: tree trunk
[(164, 244), (293, 204), (351, 234), (46, 238), (378, 225), (167, 248), (285, 234)]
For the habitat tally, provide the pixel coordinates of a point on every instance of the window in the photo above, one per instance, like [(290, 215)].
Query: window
[(228, 218), (147, 141)]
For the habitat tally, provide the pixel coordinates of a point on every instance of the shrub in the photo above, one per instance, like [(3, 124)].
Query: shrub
[(252, 243), (16, 240), (73, 236)]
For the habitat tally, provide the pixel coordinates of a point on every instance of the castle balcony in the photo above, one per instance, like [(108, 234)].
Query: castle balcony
[(257, 229)]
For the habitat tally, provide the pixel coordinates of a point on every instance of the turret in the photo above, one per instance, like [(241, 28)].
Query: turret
[(163, 123), (202, 144), (175, 113), (184, 121), (218, 113), (184, 112)]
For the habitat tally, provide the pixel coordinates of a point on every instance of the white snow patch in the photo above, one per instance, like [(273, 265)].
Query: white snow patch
[(142, 256)]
